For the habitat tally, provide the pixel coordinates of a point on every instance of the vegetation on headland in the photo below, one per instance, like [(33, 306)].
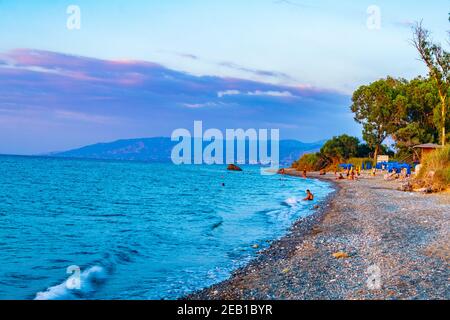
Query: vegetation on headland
[(337, 150), (408, 112)]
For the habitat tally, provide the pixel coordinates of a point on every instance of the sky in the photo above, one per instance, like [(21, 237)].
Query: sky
[(145, 68)]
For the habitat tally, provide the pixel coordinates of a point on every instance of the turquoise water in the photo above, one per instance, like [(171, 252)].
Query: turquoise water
[(136, 230)]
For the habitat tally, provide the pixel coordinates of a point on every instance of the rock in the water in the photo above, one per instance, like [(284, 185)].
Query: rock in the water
[(233, 167)]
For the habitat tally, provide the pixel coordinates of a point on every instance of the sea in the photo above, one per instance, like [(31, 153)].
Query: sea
[(94, 229)]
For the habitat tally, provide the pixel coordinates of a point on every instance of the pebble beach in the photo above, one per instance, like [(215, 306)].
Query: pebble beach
[(367, 241)]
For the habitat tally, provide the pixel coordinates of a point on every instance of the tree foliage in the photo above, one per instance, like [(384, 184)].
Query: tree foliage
[(379, 108), (406, 111), (437, 61), (340, 148), (410, 112), (419, 123)]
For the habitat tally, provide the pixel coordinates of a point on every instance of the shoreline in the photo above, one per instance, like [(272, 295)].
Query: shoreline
[(404, 242)]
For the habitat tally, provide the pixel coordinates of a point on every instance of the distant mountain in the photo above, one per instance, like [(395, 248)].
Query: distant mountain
[(159, 150), (292, 150)]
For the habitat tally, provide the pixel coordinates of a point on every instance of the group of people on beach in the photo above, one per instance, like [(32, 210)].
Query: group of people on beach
[(353, 173), (350, 174), (396, 173)]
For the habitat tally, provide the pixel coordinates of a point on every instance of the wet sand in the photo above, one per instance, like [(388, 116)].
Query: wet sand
[(367, 241)]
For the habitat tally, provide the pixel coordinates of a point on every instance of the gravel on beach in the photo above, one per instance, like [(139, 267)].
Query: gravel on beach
[(367, 241)]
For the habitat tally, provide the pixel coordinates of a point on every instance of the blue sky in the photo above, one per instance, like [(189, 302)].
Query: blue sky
[(319, 49)]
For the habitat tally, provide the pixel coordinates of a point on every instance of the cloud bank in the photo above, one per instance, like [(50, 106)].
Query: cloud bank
[(54, 101)]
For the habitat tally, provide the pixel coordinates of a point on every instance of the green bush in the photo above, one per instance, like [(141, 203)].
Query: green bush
[(311, 162)]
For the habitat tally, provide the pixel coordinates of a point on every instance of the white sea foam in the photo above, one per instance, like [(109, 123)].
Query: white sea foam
[(292, 201), (89, 279)]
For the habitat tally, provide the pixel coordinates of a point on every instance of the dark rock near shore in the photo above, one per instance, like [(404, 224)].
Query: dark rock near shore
[(233, 167)]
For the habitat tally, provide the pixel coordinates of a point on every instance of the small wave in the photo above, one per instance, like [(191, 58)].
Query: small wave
[(291, 202), (90, 279), (108, 215)]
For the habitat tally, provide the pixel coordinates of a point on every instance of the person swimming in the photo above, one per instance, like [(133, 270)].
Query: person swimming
[(309, 196)]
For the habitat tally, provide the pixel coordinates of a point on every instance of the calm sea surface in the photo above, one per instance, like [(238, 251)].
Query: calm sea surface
[(135, 230)]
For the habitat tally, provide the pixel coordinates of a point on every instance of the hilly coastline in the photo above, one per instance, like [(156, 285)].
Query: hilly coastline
[(159, 150)]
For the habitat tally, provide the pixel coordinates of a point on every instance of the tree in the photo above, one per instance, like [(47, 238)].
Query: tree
[(340, 148), (380, 110), (438, 64), (364, 151), (419, 101)]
